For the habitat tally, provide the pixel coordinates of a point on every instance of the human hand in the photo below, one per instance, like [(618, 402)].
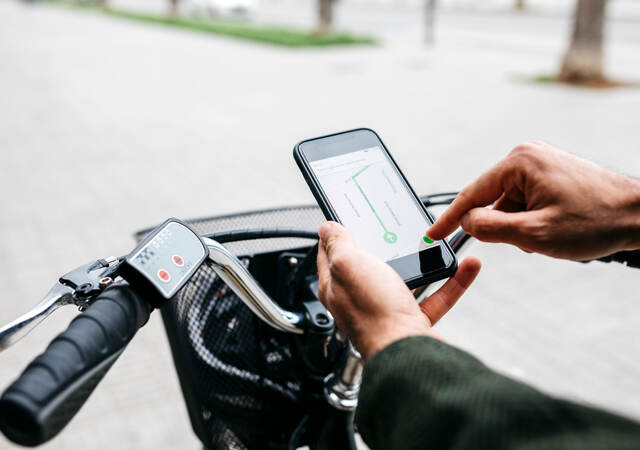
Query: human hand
[(550, 202), (368, 299)]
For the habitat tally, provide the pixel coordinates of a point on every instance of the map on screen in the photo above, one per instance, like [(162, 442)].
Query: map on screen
[(373, 203)]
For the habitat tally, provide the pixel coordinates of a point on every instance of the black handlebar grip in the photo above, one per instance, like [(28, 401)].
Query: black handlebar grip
[(56, 384)]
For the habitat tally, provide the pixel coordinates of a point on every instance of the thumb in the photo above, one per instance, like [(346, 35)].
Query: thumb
[(334, 238), (491, 225)]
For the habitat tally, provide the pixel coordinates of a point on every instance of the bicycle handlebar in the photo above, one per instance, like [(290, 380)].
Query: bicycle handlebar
[(237, 277), (53, 388), (56, 384)]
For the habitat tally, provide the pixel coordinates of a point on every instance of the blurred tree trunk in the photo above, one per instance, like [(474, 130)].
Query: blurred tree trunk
[(429, 21), (325, 16), (173, 8), (583, 61), (521, 5)]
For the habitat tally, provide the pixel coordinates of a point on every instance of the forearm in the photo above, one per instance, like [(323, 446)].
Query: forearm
[(419, 392)]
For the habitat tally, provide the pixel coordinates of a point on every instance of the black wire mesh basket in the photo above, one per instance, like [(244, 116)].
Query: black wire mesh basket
[(240, 378)]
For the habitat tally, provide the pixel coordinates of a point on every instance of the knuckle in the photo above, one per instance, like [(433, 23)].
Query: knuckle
[(538, 232), (463, 198), (528, 158), (340, 264), (478, 225), (481, 226), (323, 289), (330, 244), (526, 150), (534, 150), (334, 242)]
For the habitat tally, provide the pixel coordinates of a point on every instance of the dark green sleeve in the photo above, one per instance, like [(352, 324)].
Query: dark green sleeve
[(421, 393)]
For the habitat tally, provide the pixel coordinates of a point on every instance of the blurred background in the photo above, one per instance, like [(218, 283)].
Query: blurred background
[(118, 114)]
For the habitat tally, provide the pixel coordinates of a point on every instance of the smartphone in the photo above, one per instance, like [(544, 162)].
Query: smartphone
[(357, 183)]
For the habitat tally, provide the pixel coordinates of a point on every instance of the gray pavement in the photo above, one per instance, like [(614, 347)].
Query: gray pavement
[(108, 126)]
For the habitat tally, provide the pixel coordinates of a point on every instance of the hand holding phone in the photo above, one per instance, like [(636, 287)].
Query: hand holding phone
[(358, 184)]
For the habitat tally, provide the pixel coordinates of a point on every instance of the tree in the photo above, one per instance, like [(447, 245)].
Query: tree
[(325, 16), (173, 8), (583, 61), (429, 22)]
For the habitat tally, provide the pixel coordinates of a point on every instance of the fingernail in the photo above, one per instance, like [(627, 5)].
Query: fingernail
[(325, 230), (465, 222), (428, 233)]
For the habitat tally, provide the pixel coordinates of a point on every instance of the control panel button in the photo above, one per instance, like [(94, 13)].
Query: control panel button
[(165, 260), (164, 275)]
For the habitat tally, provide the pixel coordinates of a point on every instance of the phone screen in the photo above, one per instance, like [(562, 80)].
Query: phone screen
[(357, 183), (373, 202)]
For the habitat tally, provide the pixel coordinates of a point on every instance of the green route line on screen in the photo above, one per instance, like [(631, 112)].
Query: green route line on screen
[(367, 198)]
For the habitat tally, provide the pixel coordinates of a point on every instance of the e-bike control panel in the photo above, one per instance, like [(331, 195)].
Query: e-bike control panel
[(166, 259)]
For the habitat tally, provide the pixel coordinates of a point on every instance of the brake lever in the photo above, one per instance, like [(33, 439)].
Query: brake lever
[(58, 296), (77, 287)]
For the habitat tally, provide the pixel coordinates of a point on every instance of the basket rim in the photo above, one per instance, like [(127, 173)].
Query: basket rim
[(145, 231)]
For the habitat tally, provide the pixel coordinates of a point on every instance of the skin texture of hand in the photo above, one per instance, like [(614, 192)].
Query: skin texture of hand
[(550, 202), (368, 299)]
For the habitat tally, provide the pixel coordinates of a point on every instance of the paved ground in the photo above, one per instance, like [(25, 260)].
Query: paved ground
[(108, 126)]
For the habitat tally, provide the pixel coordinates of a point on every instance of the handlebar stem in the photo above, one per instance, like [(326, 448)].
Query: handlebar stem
[(343, 386)]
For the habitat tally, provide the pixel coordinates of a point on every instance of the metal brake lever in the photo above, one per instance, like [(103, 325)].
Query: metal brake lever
[(58, 296), (77, 287)]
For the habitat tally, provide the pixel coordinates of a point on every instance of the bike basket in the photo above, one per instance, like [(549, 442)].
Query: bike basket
[(238, 375)]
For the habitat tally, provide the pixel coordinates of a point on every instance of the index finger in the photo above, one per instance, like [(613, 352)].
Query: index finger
[(485, 190)]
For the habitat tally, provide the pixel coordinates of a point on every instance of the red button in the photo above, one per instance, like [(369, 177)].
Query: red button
[(178, 261), (164, 275)]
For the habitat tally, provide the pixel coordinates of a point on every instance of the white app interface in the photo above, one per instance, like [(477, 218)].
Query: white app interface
[(372, 202)]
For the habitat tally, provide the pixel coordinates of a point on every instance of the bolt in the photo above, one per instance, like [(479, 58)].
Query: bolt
[(322, 319), (293, 261)]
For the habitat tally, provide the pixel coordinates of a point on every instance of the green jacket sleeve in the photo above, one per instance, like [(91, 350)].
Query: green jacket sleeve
[(421, 393)]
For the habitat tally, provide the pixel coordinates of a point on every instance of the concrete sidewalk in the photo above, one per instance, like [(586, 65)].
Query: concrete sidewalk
[(109, 126)]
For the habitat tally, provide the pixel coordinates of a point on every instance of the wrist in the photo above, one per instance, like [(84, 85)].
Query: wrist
[(372, 343), (629, 228)]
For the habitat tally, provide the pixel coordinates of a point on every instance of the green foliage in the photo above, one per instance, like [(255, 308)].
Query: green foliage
[(277, 35)]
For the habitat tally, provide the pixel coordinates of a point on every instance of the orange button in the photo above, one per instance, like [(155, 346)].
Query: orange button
[(177, 260), (164, 275)]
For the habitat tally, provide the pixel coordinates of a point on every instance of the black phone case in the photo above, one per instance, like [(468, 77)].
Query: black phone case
[(330, 214)]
